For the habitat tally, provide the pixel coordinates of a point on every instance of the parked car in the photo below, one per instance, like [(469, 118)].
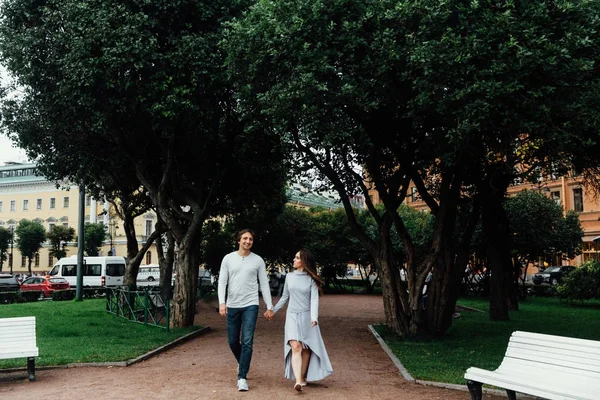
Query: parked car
[(9, 283), (46, 284), (551, 275)]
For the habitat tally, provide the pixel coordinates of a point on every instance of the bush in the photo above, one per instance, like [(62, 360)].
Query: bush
[(581, 284), (9, 297), (31, 295), (59, 295)]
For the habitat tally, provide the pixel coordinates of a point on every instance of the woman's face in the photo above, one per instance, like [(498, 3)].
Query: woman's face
[(298, 262)]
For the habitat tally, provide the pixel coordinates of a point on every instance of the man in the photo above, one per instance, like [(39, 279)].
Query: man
[(241, 273)]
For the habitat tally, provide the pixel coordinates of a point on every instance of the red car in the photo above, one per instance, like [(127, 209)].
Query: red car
[(46, 284)]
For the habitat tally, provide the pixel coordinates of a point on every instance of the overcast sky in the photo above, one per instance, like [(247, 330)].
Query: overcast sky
[(10, 153)]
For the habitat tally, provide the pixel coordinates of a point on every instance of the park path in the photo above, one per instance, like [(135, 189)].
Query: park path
[(204, 368)]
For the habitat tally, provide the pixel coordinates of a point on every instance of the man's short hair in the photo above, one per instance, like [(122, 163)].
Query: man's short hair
[(241, 233)]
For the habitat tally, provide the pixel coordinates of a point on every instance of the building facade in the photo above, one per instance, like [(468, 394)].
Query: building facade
[(25, 195)]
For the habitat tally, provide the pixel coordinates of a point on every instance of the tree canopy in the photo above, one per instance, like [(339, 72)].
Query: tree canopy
[(30, 237), (449, 95), (59, 237)]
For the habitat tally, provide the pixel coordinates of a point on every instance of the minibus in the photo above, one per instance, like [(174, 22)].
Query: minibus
[(105, 271)]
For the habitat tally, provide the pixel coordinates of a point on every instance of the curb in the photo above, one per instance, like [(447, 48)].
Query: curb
[(126, 363), (406, 375)]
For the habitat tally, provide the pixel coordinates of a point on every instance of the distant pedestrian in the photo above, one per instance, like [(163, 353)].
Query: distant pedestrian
[(239, 277), (281, 282), (305, 357)]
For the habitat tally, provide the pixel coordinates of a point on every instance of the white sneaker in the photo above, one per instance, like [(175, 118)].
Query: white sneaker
[(242, 385)]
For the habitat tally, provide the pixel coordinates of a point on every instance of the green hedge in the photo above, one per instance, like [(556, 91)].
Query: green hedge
[(9, 297), (582, 283), (59, 295), (31, 295)]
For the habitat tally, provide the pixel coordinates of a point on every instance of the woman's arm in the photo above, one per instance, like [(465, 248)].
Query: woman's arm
[(284, 296), (314, 302)]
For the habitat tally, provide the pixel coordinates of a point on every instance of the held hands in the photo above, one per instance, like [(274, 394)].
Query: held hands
[(269, 315), (222, 309), (314, 323)]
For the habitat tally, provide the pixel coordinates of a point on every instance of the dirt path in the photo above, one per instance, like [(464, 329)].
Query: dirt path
[(204, 368)]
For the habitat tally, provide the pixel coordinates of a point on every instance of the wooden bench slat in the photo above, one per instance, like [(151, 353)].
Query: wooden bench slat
[(578, 351), (558, 359), (534, 369), (517, 335), (549, 346)]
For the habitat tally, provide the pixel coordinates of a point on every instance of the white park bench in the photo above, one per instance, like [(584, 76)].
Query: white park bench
[(18, 340), (546, 366)]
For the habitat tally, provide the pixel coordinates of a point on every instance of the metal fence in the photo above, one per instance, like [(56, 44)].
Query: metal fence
[(146, 306)]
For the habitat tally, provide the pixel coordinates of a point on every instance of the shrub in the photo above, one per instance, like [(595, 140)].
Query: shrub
[(581, 284), (31, 295), (9, 297), (59, 295)]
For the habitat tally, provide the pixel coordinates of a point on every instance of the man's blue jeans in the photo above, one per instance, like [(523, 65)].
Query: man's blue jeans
[(241, 323)]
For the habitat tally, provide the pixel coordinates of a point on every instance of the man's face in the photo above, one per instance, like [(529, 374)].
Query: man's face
[(246, 241)]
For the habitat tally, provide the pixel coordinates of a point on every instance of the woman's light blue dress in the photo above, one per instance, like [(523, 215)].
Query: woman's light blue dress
[(303, 308)]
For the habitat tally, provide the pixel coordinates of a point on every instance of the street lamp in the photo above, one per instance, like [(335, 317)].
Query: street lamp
[(12, 239)]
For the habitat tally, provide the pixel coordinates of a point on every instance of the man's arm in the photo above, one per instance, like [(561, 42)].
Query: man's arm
[(263, 281), (223, 279)]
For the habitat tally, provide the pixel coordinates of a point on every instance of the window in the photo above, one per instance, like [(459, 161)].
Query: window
[(13, 205), (69, 270), (149, 224), (25, 205), (555, 196), (88, 201), (51, 226), (50, 259), (66, 224), (413, 194), (37, 259), (149, 257), (23, 261), (38, 204), (1, 206), (578, 200), (66, 202), (52, 202)]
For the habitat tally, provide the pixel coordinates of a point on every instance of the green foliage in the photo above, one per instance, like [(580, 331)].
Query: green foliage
[(30, 237), (540, 229), (9, 297), (59, 237), (94, 235), (582, 283), (5, 238), (31, 295), (59, 295)]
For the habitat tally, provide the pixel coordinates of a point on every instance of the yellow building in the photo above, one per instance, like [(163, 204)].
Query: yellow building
[(24, 195)]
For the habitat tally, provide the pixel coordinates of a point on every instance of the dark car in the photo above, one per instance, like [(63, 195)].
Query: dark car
[(551, 275), (9, 283)]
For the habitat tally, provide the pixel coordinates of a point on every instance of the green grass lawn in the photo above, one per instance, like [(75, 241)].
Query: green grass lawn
[(475, 341), (77, 332)]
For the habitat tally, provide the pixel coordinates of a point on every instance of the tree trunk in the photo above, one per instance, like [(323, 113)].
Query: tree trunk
[(186, 283), (29, 265), (497, 238), (165, 262), (133, 264)]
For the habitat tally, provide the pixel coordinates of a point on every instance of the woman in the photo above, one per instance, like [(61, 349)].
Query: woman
[(304, 351)]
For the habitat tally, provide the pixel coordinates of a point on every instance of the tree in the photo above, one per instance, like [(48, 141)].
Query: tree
[(94, 236), (444, 94), (5, 238), (145, 81), (30, 237), (59, 236), (540, 230)]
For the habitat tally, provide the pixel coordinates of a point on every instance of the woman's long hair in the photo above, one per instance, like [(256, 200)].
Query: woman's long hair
[(308, 261)]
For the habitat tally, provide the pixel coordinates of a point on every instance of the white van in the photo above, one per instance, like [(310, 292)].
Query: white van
[(150, 273), (97, 271)]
